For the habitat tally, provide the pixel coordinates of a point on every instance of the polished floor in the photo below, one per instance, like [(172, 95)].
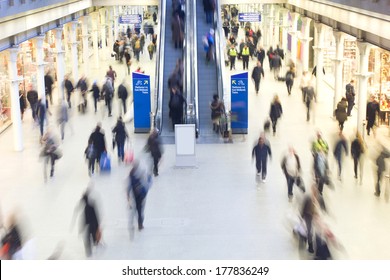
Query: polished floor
[(216, 210)]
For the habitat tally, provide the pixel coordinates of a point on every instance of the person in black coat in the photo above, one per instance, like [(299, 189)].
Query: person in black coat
[(257, 72), (176, 103), (357, 149), (95, 93), (341, 112), (22, 103), (123, 94), (261, 55), (275, 112), (372, 110), (341, 145), (120, 135), (69, 89), (32, 97), (381, 164), (98, 140), (154, 147), (49, 87), (350, 95), (91, 224), (290, 75), (261, 152)]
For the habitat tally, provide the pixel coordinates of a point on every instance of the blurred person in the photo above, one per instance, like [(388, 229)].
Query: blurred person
[(232, 53), (357, 150), (217, 109), (154, 147), (245, 57), (210, 43), (95, 93), (350, 95), (321, 171), (63, 117), (257, 72), (112, 75), (261, 55), (319, 144), (83, 87), (123, 94), (108, 93), (128, 60), (209, 8), (291, 166), (261, 151), (41, 114), (98, 140), (176, 104), (371, 113), (177, 31), (314, 72), (49, 82), (309, 97), (69, 89), (90, 155), (32, 97), (115, 49), (137, 49), (270, 55), (290, 75), (22, 103), (120, 136), (381, 167), (275, 112), (154, 17), (305, 81), (276, 65), (340, 145), (137, 190), (341, 112), (151, 50), (50, 152), (12, 240)]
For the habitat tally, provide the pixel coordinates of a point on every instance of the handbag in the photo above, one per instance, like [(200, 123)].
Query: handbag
[(129, 154)]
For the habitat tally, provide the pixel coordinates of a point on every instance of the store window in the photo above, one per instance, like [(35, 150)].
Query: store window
[(5, 98)]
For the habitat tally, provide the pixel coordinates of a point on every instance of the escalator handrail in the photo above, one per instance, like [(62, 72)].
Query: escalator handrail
[(186, 58), (159, 85), (194, 65)]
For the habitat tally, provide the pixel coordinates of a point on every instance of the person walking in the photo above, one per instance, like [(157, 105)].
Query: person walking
[(340, 145), (257, 72), (98, 140), (151, 50), (49, 82), (123, 94), (232, 53), (95, 93), (22, 103), (83, 87), (90, 155), (112, 75), (309, 97), (305, 82), (69, 89), (357, 150), (341, 112), (137, 190), (261, 55), (275, 112), (217, 109), (276, 65), (41, 114), (176, 104), (50, 152), (350, 95), (245, 57), (290, 75), (63, 117), (120, 136), (381, 167), (261, 151), (154, 147), (291, 166), (32, 97), (108, 93), (371, 113)]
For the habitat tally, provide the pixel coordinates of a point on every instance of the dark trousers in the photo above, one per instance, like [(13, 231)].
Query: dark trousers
[(95, 101), (274, 121), (350, 106), (41, 125), (308, 110), (151, 55), (370, 124), (91, 166), (304, 94), (261, 166), (378, 182), (90, 236), (289, 85), (232, 62), (308, 221), (257, 85), (109, 105), (355, 165), (341, 125), (290, 184), (245, 62), (34, 107), (121, 149), (155, 164), (338, 158), (124, 106), (209, 16), (68, 99), (140, 205)]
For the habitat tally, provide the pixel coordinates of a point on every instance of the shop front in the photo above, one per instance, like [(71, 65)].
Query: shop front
[(5, 98)]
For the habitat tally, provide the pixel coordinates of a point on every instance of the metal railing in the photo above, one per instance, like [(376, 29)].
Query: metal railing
[(159, 80), (194, 67)]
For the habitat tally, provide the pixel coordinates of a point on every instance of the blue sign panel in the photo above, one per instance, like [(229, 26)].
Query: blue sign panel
[(239, 102), (251, 17), (130, 19), (142, 107)]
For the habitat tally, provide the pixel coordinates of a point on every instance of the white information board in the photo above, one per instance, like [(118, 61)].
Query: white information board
[(185, 144)]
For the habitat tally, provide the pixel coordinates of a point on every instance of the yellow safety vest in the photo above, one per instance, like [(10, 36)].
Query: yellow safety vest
[(233, 52), (245, 51)]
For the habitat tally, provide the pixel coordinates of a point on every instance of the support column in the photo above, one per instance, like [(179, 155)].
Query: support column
[(320, 57), (38, 42), (306, 39), (270, 31), (364, 52), (110, 27), (293, 32), (14, 94), (338, 74), (103, 36), (85, 36), (285, 27), (276, 30), (73, 45), (60, 62), (116, 26), (95, 19)]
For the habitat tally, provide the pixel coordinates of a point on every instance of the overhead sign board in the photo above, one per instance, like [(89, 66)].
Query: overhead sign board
[(130, 19), (251, 17)]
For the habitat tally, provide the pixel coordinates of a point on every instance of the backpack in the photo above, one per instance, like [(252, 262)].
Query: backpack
[(175, 101)]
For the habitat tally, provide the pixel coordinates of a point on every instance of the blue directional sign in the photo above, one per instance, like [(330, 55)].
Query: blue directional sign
[(239, 102), (251, 17), (130, 19), (142, 107)]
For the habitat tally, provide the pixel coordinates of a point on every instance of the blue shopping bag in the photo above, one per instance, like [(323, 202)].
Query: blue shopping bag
[(105, 163)]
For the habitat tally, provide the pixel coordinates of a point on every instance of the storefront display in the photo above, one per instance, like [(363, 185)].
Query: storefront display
[(5, 101)]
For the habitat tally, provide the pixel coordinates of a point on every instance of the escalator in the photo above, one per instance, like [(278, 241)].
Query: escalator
[(170, 56), (207, 81)]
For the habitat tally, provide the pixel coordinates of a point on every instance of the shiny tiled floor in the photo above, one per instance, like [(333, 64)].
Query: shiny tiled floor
[(216, 210)]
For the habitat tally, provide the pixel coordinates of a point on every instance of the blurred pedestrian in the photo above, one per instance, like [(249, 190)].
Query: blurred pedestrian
[(291, 166), (151, 50), (309, 97), (83, 87), (341, 112), (69, 89), (22, 103), (290, 75), (32, 97), (261, 151), (123, 94), (257, 72), (95, 93), (12, 241), (90, 155), (112, 74), (275, 112), (50, 152), (154, 147), (49, 82), (176, 107), (381, 167), (357, 150), (350, 95), (108, 93), (98, 140), (217, 109), (120, 135), (41, 114), (63, 117), (341, 145), (371, 113)]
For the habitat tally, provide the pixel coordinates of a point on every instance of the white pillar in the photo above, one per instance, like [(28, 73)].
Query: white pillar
[(270, 31), (85, 36), (338, 74), (60, 62), (38, 41), (305, 39), (320, 57), (110, 27), (364, 52), (14, 94), (293, 32), (73, 44), (95, 19), (103, 36), (116, 25), (285, 27), (276, 39)]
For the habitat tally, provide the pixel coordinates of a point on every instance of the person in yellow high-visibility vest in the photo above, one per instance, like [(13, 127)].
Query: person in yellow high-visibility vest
[(232, 53), (245, 56)]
